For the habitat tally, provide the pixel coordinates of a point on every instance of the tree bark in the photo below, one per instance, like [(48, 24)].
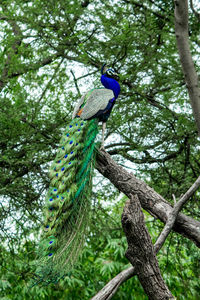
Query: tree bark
[(182, 38), (108, 291), (141, 253), (151, 201)]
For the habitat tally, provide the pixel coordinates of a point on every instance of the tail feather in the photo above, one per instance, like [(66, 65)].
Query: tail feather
[(67, 201)]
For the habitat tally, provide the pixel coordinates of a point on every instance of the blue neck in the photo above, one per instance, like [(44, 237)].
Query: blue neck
[(112, 84)]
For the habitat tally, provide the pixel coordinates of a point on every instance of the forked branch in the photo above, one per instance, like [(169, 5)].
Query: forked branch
[(112, 286)]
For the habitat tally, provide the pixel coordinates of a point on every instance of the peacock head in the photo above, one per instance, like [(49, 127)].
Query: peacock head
[(109, 72)]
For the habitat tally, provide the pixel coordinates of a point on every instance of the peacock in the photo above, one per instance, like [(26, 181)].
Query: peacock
[(68, 201)]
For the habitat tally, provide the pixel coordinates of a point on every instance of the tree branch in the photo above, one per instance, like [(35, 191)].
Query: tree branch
[(140, 5), (148, 159), (75, 82), (50, 80), (151, 201), (182, 38), (23, 69), (173, 215), (112, 286), (194, 11)]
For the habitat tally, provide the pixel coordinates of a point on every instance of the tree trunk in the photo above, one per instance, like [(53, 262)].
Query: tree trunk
[(141, 252), (182, 38)]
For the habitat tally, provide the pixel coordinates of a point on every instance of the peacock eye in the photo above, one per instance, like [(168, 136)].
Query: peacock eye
[(110, 72)]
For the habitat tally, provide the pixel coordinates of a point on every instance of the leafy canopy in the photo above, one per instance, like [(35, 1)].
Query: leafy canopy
[(51, 52)]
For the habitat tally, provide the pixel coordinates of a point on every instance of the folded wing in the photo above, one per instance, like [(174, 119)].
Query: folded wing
[(95, 101)]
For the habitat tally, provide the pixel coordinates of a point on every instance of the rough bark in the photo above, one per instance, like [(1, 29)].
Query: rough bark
[(141, 253), (182, 38), (108, 291), (151, 201)]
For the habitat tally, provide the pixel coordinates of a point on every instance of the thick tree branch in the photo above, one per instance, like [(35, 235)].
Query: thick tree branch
[(151, 201), (141, 252), (112, 286), (182, 38), (108, 291)]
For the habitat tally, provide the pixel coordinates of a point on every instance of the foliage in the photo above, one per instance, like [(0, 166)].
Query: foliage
[(102, 259), (151, 131)]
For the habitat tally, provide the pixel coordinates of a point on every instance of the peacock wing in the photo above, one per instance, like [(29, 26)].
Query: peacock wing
[(77, 107), (96, 100)]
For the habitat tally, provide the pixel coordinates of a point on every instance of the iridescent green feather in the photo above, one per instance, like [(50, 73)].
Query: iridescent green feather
[(67, 201)]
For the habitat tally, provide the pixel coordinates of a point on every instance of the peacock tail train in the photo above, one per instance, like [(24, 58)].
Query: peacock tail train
[(68, 201)]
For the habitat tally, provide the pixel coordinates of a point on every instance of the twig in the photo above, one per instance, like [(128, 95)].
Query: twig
[(156, 13), (174, 198), (86, 75), (194, 11), (51, 79), (24, 120), (75, 82)]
